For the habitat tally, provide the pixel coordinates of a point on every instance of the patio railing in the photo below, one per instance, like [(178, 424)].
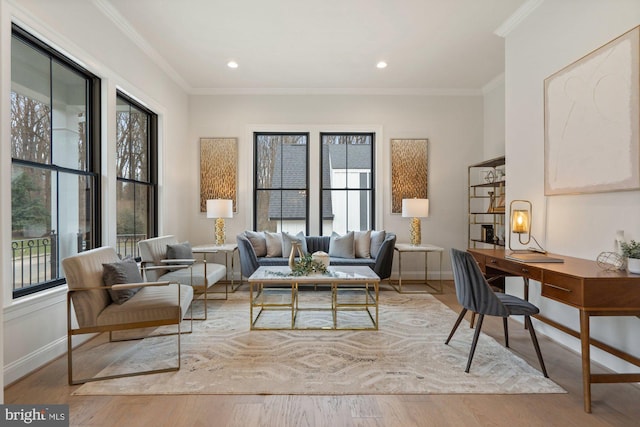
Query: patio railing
[(35, 260)]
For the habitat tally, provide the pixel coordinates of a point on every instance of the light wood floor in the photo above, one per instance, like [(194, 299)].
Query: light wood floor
[(613, 404)]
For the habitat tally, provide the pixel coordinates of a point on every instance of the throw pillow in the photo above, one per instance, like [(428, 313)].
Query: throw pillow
[(342, 246), (287, 238), (274, 244), (377, 237), (118, 273), (179, 251), (258, 241), (362, 243)]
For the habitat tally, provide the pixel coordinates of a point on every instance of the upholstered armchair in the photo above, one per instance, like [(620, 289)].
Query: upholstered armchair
[(104, 299), (164, 258)]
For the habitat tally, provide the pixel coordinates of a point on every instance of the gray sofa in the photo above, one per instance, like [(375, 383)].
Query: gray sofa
[(380, 263)]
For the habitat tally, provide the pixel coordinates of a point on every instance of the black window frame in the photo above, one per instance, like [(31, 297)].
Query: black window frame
[(257, 190), (372, 182), (93, 156), (152, 167)]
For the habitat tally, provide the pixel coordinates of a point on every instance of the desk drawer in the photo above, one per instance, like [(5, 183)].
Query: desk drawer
[(562, 288), (513, 267)]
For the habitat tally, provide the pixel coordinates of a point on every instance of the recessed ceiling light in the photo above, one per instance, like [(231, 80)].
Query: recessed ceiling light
[(232, 64), (381, 64)]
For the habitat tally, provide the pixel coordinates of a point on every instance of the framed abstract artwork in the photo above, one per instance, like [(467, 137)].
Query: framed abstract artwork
[(408, 171), (218, 170), (591, 110)]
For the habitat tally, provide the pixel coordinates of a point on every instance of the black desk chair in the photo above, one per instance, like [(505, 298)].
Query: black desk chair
[(475, 294)]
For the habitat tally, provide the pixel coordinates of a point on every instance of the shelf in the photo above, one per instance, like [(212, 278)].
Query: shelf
[(492, 163), (490, 184), (482, 195), (487, 243)]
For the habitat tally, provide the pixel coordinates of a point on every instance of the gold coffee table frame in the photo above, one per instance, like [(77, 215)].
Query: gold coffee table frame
[(352, 278)]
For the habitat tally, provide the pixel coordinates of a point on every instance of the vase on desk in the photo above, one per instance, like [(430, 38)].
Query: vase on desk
[(633, 265)]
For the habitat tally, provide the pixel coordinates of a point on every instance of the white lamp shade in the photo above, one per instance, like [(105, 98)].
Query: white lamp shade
[(219, 208), (415, 208)]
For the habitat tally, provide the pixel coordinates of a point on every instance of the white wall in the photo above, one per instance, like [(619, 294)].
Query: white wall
[(36, 326), (452, 124), (494, 119), (553, 36)]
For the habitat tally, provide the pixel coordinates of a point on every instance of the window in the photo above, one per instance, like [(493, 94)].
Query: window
[(281, 182), (136, 148), (347, 192), (55, 161)]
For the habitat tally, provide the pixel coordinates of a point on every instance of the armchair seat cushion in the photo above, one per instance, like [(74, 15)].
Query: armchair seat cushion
[(151, 303), (215, 272)]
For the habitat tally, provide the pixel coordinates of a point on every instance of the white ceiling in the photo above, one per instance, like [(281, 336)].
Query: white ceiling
[(322, 46)]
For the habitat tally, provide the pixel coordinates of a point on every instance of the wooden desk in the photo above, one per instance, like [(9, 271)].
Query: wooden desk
[(581, 284)]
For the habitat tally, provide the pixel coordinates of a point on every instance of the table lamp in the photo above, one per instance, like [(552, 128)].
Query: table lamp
[(415, 209), (520, 218), (219, 209)]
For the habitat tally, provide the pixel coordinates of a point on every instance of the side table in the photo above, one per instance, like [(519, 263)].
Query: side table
[(403, 248), (228, 249)]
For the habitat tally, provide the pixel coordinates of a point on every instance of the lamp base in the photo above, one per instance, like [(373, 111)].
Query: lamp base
[(220, 237), (415, 232)]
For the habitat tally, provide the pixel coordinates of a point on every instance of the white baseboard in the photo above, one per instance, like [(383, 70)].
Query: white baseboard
[(36, 359)]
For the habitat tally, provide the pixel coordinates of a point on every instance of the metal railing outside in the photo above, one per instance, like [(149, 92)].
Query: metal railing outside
[(34, 260)]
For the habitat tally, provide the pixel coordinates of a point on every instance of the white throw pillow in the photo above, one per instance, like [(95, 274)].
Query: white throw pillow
[(274, 244), (287, 238), (362, 243), (342, 246), (258, 241)]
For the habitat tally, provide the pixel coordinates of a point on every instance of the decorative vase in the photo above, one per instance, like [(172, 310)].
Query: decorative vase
[(321, 257), (633, 265), (296, 249)]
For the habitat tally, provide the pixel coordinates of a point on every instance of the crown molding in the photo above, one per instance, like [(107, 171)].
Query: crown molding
[(337, 91), (518, 16), (493, 84), (119, 21)]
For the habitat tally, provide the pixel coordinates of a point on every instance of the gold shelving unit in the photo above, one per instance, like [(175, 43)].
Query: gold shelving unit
[(486, 210)]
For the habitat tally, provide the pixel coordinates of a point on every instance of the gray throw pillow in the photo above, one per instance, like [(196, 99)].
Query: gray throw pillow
[(342, 246), (362, 241), (180, 251), (118, 273), (287, 238), (274, 244), (258, 241), (377, 237)]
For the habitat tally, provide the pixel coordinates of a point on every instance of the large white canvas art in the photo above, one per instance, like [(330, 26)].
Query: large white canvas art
[(592, 120)]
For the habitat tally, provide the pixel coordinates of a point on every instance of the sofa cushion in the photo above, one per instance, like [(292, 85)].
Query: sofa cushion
[(342, 246), (117, 273), (258, 241), (377, 237), (287, 238), (369, 262), (362, 241), (180, 251), (274, 244)]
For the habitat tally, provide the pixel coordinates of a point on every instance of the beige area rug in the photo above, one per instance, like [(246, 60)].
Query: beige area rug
[(407, 355)]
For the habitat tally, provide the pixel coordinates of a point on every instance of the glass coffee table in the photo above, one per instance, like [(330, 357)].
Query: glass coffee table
[(350, 289)]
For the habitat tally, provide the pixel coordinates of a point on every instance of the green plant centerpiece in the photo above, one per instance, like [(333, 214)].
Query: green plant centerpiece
[(630, 249), (307, 265)]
